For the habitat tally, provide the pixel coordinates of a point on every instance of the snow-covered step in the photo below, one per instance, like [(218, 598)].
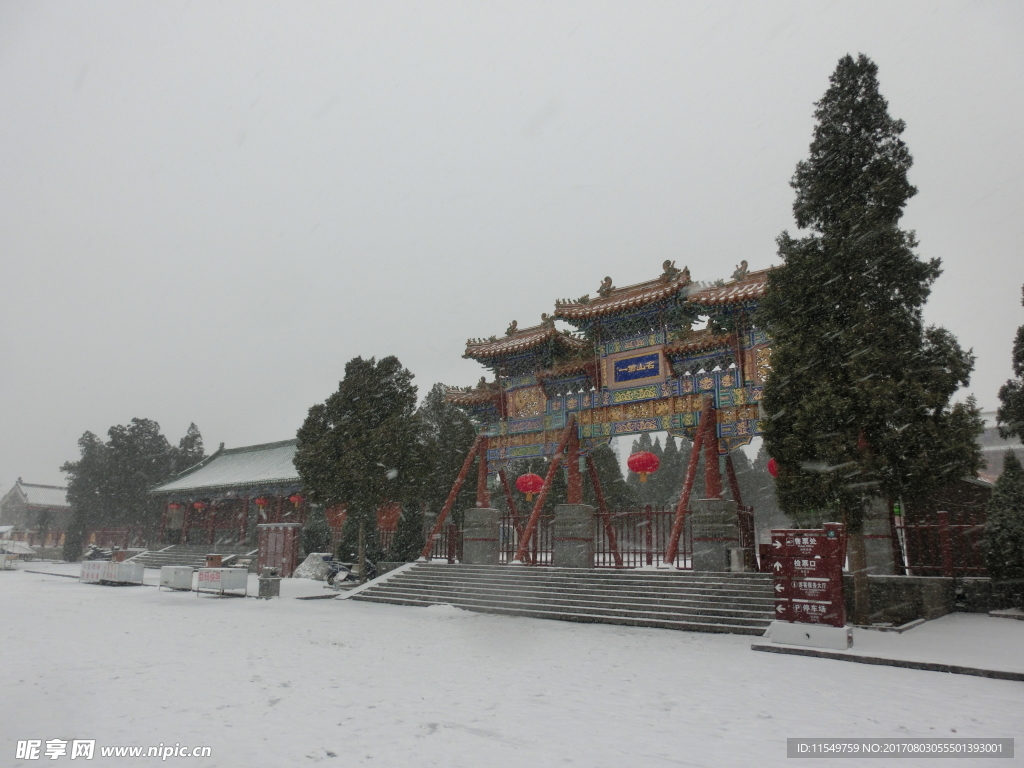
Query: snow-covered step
[(628, 610), (753, 603), (601, 617), (739, 603)]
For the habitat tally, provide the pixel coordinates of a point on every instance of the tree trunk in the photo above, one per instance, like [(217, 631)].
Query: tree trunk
[(362, 550), (859, 568)]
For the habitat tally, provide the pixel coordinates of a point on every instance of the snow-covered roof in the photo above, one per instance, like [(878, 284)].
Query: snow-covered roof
[(253, 465), (33, 495)]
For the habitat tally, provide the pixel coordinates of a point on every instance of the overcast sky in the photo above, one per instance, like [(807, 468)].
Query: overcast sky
[(206, 209)]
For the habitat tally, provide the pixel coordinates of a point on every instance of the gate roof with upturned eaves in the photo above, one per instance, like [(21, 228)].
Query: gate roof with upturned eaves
[(633, 363)]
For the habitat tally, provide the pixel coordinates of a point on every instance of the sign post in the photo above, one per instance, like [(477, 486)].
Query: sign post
[(810, 606)]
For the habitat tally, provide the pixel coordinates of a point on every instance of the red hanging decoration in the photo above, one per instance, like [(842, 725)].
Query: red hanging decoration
[(529, 484), (174, 506), (199, 505), (296, 499), (261, 501), (773, 467), (643, 463)]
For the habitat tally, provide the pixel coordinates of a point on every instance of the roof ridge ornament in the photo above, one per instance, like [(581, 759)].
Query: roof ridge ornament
[(671, 272), (606, 288), (511, 328), (741, 271)]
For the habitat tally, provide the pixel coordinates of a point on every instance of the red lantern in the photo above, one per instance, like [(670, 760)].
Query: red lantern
[(529, 484), (643, 463), (174, 506), (296, 499), (261, 501), (773, 467), (199, 505)]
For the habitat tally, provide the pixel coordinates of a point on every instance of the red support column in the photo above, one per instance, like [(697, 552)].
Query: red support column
[(613, 541), (243, 520), (163, 523), (211, 516), (712, 471), (279, 515), (463, 473), (511, 501), (707, 417), (483, 495), (542, 497), (574, 492)]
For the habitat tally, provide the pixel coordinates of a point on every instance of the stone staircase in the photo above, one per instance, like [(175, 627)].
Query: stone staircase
[(188, 554), (740, 603)]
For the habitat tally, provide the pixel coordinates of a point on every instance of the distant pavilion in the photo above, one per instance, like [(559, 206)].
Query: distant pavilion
[(222, 498)]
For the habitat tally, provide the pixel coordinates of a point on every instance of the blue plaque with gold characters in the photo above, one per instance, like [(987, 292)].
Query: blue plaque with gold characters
[(639, 367)]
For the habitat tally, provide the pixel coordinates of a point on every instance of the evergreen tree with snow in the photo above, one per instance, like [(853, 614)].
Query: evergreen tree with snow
[(1004, 529), (316, 533), (409, 537), (617, 494), (363, 446), (1011, 413), (859, 400)]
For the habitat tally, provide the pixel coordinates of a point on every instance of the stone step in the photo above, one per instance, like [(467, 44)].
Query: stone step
[(675, 600), (585, 617), (605, 584), (756, 616), (666, 573), (609, 592)]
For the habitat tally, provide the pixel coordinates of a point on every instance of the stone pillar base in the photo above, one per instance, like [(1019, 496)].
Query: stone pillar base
[(480, 545), (716, 531), (573, 540)]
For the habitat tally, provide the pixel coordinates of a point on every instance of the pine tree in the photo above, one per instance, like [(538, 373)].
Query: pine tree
[(363, 445), (409, 538), (1011, 413), (316, 533), (668, 480), (1004, 530), (447, 437), (189, 451), (109, 485), (617, 494), (859, 398)]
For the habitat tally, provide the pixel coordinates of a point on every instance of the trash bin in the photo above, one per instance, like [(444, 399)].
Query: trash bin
[(270, 582)]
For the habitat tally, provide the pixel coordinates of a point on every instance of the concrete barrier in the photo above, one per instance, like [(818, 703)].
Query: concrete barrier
[(480, 532), (573, 539)]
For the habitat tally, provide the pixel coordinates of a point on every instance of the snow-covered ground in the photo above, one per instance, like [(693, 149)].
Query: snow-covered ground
[(290, 682)]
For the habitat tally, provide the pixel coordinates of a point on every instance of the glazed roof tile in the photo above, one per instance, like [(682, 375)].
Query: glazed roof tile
[(698, 341), (521, 340), (750, 287), (252, 465), (623, 299), (473, 397)]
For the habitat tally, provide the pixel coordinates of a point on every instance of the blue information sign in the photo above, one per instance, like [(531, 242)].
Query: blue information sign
[(640, 367)]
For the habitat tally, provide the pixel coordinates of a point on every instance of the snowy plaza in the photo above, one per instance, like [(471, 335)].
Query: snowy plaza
[(290, 682)]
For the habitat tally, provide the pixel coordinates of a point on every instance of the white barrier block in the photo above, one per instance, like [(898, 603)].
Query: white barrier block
[(220, 579), (811, 635), (176, 576), (92, 571)]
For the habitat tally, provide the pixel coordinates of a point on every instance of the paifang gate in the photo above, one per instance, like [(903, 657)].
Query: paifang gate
[(633, 363)]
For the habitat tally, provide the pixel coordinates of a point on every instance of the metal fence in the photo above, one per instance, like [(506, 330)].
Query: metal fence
[(641, 536)]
